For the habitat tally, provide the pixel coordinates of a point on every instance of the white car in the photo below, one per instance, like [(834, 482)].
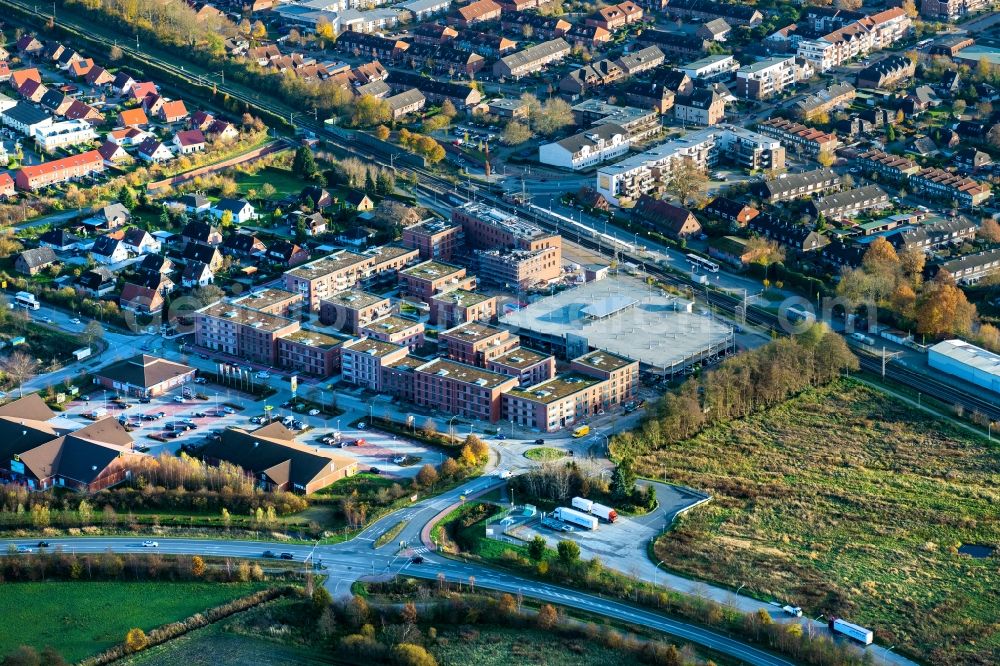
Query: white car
[(228, 410), (200, 380), (263, 375), (506, 474), (179, 399), (150, 544), (399, 460), (75, 320), (313, 412), (24, 549)]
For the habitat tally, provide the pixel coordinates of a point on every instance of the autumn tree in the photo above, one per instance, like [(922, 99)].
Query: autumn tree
[(197, 566), (409, 613), (686, 179), (989, 231), (942, 308), (825, 158), (515, 133), (408, 654), (427, 476), (547, 617), (479, 448), (382, 133), (116, 53), (369, 110), (136, 640), (92, 332)]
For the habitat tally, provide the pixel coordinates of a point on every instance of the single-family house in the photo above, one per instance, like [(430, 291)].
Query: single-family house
[(153, 150), (97, 282), (198, 231), (30, 262), (109, 250), (173, 111), (189, 141), (140, 241), (241, 210), (197, 274)]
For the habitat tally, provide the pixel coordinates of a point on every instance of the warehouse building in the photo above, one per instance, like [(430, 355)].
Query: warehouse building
[(966, 361)]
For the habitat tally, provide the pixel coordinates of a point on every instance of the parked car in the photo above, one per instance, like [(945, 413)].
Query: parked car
[(200, 380), (313, 412), (179, 399), (144, 400), (200, 415), (228, 410), (256, 419)]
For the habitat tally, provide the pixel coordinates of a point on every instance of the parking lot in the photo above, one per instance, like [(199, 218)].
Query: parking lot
[(168, 422), (620, 545)]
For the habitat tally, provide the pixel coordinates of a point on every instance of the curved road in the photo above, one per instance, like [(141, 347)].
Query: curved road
[(346, 562)]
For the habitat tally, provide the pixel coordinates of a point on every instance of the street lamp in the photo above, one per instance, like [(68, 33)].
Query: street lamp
[(655, 569), (451, 432), (885, 655), (740, 588)]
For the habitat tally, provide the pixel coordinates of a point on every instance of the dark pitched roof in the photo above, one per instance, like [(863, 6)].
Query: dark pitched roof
[(198, 230), (39, 256), (143, 370), (272, 452), (198, 252)]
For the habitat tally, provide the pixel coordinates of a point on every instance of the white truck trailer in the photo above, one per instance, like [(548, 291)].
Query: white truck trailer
[(853, 631), (574, 517), (605, 512), (582, 504)]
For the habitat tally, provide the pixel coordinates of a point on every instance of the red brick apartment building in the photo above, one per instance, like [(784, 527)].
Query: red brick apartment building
[(241, 332), (54, 172), (397, 330), (272, 301), (310, 352), (461, 306), (597, 381), (362, 361), (322, 278), (427, 279), (435, 239), (530, 367), (509, 250), (476, 344), (461, 389), (350, 310)]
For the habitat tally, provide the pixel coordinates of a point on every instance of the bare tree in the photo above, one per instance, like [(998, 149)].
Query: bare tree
[(19, 367)]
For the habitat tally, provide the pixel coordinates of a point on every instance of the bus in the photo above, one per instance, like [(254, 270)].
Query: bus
[(702, 263), (26, 300), (581, 431), (923, 42)]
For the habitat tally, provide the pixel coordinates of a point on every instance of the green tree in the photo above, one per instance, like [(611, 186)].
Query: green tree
[(321, 600), (890, 133), (536, 548), (304, 163), (569, 552), (126, 196), (623, 479), (92, 332)]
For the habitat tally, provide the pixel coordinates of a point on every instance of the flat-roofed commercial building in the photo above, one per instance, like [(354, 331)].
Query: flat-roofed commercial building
[(310, 352), (272, 301), (530, 367), (476, 344), (322, 278), (434, 239), (461, 389), (241, 331), (397, 330), (361, 361), (427, 279), (460, 306), (349, 310)]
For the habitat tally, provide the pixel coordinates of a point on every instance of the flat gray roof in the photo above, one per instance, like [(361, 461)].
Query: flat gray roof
[(656, 330)]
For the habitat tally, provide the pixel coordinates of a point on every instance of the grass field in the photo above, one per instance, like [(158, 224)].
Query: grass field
[(81, 618), (216, 646), (283, 180), (847, 502), (496, 646), (544, 453)]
